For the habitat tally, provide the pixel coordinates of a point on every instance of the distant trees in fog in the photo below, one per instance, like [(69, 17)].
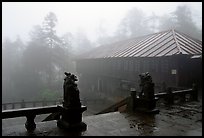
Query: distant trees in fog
[(31, 71), (136, 23)]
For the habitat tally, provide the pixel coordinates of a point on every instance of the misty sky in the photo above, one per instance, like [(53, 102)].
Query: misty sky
[(18, 18)]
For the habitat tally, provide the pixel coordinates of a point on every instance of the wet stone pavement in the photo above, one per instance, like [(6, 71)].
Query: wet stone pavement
[(177, 120)]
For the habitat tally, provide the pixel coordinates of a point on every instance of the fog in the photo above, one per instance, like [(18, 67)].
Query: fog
[(86, 16), (42, 40)]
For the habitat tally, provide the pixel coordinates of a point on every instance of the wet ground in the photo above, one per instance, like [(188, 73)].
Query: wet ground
[(177, 120)]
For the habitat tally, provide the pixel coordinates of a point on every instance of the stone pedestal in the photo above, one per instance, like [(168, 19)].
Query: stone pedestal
[(71, 118), (30, 123), (146, 105)]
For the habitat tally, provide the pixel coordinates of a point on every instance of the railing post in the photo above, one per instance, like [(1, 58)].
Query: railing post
[(60, 101), (30, 123), (133, 99), (85, 101), (194, 93), (183, 97), (23, 104), (4, 106), (34, 104), (13, 106), (170, 97), (44, 102)]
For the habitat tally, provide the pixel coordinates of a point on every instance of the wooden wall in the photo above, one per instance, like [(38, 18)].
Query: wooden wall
[(108, 75)]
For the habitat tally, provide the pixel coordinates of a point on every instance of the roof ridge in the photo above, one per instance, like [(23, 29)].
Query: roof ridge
[(135, 37), (177, 44), (188, 36)]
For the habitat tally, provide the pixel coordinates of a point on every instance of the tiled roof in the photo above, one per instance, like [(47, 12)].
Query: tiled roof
[(164, 43)]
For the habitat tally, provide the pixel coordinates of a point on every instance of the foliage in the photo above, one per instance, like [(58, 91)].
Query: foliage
[(133, 24), (39, 65), (181, 20), (136, 23), (47, 94)]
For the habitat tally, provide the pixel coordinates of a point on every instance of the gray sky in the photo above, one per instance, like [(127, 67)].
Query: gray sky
[(18, 18)]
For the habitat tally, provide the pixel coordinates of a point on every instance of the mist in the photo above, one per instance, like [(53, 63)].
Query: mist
[(42, 40)]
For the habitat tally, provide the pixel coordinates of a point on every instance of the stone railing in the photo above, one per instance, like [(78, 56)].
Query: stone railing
[(30, 114), (25, 104), (68, 114)]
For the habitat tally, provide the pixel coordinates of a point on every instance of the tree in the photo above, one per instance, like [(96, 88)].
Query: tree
[(133, 25), (28, 70), (166, 22), (152, 22), (11, 64), (185, 23), (46, 55), (181, 20), (81, 43), (49, 24)]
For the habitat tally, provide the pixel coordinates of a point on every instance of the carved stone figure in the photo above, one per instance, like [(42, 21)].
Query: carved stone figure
[(147, 86), (71, 91), (71, 112)]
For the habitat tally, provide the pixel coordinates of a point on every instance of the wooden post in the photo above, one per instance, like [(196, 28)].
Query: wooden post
[(194, 93), (183, 97), (170, 97), (133, 100)]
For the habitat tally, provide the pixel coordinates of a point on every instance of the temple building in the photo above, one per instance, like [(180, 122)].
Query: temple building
[(171, 57)]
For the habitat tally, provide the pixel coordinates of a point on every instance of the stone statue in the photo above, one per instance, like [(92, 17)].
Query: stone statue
[(71, 112), (71, 91), (147, 86)]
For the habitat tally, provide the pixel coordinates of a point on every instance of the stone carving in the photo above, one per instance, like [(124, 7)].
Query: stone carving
[(147, 86), (71, 91), (72, 109)]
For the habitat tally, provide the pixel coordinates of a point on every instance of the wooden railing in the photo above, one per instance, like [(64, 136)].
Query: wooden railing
[(114, 107), (92, 101), (168, 96)]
